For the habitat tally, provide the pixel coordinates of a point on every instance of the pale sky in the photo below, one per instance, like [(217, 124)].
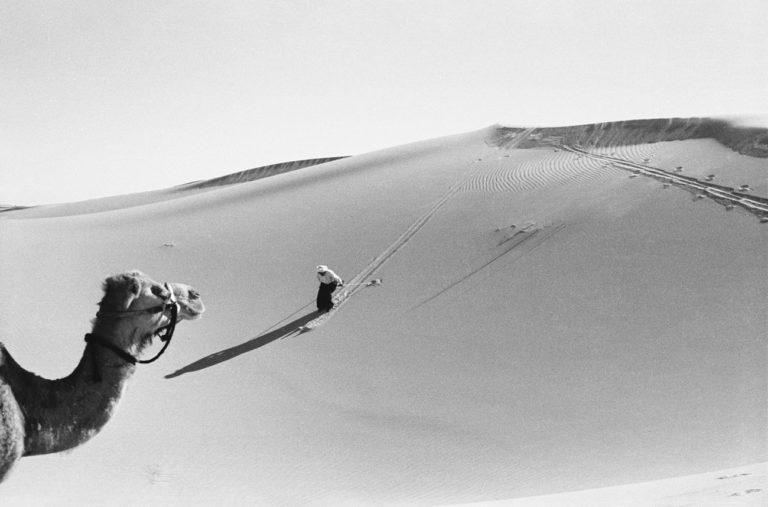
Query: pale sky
[(102, 98)]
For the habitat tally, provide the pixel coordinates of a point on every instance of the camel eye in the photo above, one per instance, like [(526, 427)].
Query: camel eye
[(193, 294), (160, 292)]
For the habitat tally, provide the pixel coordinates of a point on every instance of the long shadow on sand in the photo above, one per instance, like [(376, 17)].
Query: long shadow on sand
[(252, 344)]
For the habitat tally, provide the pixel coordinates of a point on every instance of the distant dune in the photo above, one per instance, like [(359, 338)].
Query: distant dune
[(257, 173), (100, 205), (9, 207), (566, 316)]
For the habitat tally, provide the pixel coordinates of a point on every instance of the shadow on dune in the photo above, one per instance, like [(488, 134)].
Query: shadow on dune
[(252, 344), (515, 241)]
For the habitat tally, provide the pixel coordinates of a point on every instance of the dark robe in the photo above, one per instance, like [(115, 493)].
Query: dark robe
[(325, 296)]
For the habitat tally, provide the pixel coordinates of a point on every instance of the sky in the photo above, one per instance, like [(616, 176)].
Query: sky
[(106, 98)]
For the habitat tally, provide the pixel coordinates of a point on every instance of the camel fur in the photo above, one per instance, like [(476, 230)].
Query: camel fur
[(41, 416)]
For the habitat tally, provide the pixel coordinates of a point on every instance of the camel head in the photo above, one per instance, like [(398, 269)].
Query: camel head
[(135, 309)]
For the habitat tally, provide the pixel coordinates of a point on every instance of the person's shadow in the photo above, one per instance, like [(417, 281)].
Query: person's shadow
[(252, 344)]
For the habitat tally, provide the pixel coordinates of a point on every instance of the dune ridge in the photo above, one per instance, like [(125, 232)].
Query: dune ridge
[(751, 141), (626, 146), (256, 173), (102, 204), (634, 137)]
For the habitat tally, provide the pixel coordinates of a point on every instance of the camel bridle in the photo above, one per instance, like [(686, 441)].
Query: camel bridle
[(165, 333)]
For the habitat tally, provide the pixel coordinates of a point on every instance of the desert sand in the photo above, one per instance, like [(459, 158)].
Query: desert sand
[(560, 310), (735, 487)]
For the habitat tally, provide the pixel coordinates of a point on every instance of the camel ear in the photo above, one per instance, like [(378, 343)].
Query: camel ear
[(120, 291)]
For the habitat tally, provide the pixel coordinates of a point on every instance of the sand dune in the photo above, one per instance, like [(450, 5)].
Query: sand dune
[(257, 173), (744, 139), (145, 198), (743, 486), (552, 318)]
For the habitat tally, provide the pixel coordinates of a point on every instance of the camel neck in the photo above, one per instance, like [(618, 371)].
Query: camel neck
[(64, 413)]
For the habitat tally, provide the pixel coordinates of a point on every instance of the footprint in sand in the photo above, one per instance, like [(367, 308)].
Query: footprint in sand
[(747, 492), (722, 478)]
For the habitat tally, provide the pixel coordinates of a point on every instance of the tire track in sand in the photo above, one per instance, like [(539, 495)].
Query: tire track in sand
[(357, 283), (726, 196), (379, 260)]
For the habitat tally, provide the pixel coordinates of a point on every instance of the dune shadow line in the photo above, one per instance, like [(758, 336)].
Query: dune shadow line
[(252, 344)]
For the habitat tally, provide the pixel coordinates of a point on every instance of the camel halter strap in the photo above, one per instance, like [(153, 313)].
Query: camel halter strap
[(171, 303)]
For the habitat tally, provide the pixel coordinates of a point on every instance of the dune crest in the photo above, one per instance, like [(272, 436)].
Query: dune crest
[(257, 173), (751, 141)]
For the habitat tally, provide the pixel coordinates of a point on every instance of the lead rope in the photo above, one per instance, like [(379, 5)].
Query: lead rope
[(171, 327), (167, 338)]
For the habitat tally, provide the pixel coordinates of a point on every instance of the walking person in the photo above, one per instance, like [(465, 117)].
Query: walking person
[(329, 281)]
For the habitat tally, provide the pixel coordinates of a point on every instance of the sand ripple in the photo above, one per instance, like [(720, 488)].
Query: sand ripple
[(553, 169)]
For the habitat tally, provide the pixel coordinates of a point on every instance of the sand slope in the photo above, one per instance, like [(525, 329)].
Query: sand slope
[(743, 486), (546, 323)]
